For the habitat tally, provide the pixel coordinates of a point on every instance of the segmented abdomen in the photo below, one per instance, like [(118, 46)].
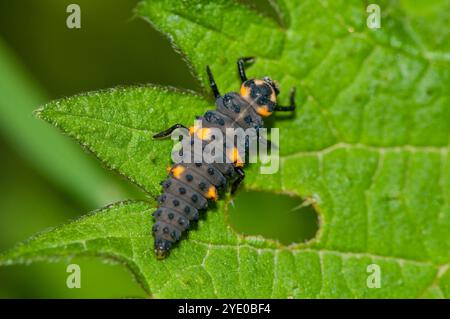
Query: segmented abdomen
[(186, 192), (190, 186)]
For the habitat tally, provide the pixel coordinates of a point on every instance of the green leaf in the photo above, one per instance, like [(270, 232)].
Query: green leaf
[(117, 125), (368, 146)]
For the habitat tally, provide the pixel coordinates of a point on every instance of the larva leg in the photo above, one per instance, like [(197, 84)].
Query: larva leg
[(169, 131), (238, 181), (292, 105), (212, 83), (241, 62)]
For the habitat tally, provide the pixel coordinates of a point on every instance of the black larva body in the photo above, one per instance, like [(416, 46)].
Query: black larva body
[(191, 186)]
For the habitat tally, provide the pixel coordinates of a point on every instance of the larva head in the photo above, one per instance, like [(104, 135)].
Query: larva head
[(261, 94)]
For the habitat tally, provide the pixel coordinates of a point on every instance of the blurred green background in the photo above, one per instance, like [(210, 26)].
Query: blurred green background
[(46, 178)]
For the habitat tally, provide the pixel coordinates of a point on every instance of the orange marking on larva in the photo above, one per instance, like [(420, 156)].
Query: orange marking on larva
[(235, 157), (192, 129), (212, 193), (245, 91), (273, 97), (203, 133), (263, 111), (177, 171)]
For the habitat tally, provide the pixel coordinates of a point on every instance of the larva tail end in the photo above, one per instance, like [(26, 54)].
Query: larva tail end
[(162, 248)]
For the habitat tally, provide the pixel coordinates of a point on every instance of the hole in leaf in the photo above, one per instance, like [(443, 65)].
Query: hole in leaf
[(288, 219)]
